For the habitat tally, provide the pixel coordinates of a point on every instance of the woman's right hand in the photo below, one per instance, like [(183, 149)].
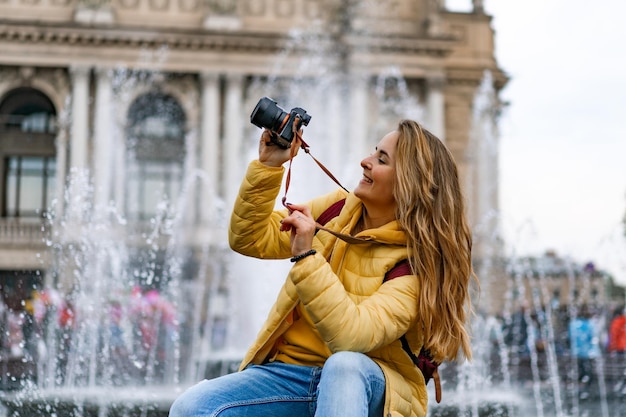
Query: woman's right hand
[(273, 155)]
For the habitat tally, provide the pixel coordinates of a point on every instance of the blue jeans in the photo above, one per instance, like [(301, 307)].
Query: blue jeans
[(348, 385)]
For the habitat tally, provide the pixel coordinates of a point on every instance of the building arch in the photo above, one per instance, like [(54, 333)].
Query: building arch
[(23, 101), (53, 83), (155, 140), (28, 128), (183, 89), (56, 94)]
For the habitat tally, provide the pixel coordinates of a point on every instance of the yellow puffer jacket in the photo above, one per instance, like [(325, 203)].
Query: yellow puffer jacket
[(340, 286)]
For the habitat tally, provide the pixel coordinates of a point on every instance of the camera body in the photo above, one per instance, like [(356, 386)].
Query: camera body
[(267, 114)]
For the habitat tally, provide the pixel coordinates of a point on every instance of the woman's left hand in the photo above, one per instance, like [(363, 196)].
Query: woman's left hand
[(302, 226)]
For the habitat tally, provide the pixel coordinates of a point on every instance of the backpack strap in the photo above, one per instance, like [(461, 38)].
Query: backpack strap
[(400, 269), (331, 212)]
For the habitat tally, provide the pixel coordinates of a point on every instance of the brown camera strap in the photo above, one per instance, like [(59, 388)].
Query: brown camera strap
[(292, 154), (346, 238)]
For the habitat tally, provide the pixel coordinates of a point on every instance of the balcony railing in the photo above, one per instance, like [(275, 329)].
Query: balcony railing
[(34, 233), (19, 232)]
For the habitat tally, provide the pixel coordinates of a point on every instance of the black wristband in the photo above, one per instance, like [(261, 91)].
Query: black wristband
[(303, 255)]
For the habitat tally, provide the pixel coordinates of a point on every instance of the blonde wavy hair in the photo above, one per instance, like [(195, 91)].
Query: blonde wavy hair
[(431, 210)]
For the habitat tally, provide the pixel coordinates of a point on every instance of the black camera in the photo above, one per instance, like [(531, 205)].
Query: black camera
[(267, 114)]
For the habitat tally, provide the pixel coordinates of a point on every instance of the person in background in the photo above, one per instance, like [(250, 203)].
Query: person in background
[(584, 344), (332, 344), (617, 332)]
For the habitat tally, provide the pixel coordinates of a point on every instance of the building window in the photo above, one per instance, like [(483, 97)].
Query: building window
[(156, 145), (29, 186), (27, 153)]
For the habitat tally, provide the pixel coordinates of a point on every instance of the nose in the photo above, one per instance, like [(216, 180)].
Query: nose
[(366, 163)]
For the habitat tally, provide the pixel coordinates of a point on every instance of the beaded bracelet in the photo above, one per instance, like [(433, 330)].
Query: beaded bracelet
[(303, 255)]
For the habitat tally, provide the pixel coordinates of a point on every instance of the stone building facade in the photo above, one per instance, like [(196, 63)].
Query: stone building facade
[(111, 110)]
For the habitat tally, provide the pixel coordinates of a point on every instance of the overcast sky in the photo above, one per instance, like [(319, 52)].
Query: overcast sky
[(563, 137)]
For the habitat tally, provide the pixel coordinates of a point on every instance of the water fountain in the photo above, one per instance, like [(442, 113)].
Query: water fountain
[(124, 343), (130, 340), (524, 352)]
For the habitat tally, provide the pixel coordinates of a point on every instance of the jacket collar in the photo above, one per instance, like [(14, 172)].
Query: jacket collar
[(390, 233)]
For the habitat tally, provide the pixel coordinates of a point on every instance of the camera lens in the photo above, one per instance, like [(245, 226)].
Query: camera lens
[(267, 114)]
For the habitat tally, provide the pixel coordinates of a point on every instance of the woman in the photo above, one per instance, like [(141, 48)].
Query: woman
[(331, 344)]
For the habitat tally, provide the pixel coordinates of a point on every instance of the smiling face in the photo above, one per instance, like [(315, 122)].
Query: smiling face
[(379, 176)]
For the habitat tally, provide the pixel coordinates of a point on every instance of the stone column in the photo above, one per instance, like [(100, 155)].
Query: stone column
[(336, 131), (435, 107), (103, 155), (116, 137), (358, 127), (233, 131), (61, 160), (80, 115), (209, 144)]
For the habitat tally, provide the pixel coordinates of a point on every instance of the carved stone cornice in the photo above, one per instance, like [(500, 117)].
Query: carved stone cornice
[(439, 48), (242, 42), (465, 76), (472, 77), (133, 38)]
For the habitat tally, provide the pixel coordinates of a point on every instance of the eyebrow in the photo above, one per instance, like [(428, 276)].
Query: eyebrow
[(382, 151)]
